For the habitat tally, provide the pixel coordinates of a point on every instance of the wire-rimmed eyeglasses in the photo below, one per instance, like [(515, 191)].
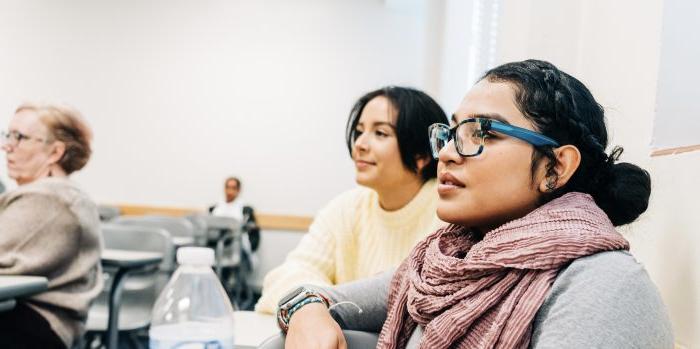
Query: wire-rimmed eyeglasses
[(13, 138)]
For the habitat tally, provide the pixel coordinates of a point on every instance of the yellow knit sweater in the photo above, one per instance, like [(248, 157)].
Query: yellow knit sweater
[(352, 238)]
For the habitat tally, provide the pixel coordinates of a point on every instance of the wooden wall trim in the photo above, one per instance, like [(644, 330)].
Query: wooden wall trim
[(677, 150), (284, 222), (265, 221), (141, 210)]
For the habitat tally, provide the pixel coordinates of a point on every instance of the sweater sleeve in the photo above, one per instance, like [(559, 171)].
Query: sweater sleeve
[(313, 260), (39, 235), (360, 305)]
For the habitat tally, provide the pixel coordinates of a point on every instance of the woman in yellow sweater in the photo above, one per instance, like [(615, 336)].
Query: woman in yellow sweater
[(372, 228)]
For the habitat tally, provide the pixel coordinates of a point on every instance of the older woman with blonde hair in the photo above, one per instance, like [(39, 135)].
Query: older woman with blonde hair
[(48, 227)]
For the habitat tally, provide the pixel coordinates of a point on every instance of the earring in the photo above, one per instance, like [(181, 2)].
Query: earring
[(551, 184)]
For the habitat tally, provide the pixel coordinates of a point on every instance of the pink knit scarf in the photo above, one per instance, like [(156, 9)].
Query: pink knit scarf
[(485, 294)]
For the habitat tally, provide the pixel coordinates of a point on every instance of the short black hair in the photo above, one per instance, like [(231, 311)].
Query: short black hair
[(415, 112), (561, 107)]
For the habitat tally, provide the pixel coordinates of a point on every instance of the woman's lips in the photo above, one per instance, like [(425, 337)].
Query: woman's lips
[(362, 165), (448, 184)]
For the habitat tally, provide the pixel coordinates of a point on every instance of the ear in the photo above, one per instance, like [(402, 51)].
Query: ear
[(58, 149), (568, 159), (421, 162)]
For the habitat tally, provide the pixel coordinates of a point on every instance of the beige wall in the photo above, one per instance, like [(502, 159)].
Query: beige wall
[(613, 47)]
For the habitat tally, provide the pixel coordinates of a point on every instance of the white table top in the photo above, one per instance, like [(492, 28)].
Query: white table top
[(12, 286), (252, 328)]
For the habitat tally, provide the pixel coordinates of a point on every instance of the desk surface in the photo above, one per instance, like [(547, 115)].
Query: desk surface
[(129, 259), (253, 328), (12, 286)]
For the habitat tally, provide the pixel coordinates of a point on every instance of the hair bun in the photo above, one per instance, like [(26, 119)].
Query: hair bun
[(624, 191)]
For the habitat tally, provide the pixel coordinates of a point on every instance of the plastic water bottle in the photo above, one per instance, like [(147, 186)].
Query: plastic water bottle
[(192, 311)]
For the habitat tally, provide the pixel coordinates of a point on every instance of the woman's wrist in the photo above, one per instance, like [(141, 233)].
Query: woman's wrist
[(312, 309), (295, 301), (305, 302)]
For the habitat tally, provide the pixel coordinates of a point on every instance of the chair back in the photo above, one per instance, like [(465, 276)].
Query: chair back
[(140, 289), (200, 227), (107, 213), (181, 229), (216, 224), (140, 238)]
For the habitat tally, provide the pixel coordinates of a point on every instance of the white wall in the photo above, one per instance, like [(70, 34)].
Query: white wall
[(676, 123), (613, 47), (182, 93)]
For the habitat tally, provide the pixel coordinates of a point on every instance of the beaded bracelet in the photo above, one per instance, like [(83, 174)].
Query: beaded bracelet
[(283, 318), (312, 299)]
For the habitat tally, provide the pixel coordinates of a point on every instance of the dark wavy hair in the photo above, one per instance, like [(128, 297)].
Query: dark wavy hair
[(561, 107), (416, 111)]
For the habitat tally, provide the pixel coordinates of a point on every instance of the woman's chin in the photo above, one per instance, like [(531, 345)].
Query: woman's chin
[(364, 180), (449, 214)]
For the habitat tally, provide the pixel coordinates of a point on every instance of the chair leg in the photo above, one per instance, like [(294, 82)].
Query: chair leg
[(134, 341)]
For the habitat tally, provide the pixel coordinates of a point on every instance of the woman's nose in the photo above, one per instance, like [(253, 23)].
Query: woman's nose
[(361, 143), (449, 153), (6, 147)]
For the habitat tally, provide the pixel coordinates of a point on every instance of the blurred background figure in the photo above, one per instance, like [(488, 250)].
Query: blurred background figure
[(230, 207), (235, 278), (48, 227), (233, 207)]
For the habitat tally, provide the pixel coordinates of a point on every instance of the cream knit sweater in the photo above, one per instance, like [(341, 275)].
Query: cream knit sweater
[(50, 228), (352, 238)]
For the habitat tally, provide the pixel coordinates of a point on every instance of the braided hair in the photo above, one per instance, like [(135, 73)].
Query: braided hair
[(561, 107)]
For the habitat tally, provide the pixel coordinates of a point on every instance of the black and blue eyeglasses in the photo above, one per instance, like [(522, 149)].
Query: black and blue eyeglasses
[(469, 135)]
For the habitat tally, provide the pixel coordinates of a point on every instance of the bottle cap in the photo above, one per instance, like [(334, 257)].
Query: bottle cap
[(195, 256)]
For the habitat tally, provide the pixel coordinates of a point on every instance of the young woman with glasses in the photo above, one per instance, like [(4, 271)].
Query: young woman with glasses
[(531, 258), (48, 227), (372, 228)]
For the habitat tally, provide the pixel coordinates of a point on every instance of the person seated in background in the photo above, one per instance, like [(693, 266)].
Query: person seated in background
[(233, 207), (48, 227), (372, 228), (531, 258)]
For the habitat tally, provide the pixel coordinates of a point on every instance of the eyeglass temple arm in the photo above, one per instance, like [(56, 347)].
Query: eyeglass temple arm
[(526, 135)]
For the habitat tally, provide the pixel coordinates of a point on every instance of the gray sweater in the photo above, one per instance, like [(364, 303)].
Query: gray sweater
[(606, 300), (50, 228)]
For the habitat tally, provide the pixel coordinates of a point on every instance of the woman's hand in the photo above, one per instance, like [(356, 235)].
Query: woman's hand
[(313, 327)]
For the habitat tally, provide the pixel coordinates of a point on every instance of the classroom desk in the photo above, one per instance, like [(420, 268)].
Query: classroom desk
[(125, 262), (13, 286), (251, 328)]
